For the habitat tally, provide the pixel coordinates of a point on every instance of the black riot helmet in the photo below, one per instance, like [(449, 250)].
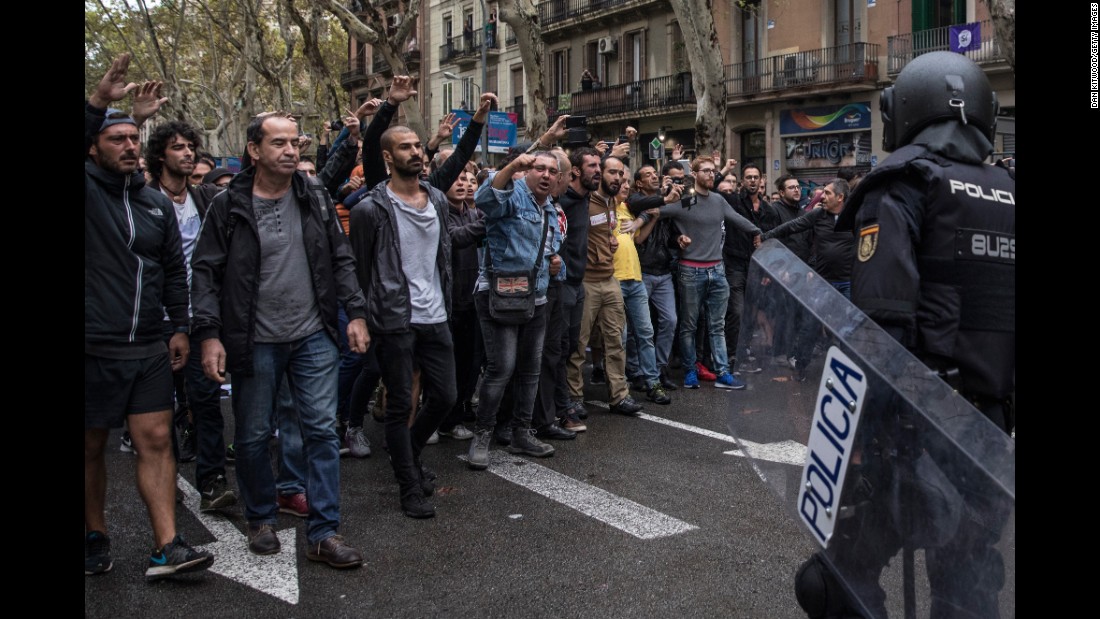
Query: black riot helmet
[(934, 87)]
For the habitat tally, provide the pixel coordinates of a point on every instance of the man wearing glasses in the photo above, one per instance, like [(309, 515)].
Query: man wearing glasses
[(701, 280)]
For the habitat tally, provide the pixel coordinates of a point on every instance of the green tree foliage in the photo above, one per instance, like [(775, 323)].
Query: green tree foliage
[(222, 61)]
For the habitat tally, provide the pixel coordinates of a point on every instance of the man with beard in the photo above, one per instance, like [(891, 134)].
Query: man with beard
[(790, 320), (702, 276), (603, 297), (585, 177), (270, 268), (170, 155), (519, 237), (403, 250), (133, 273), (736, 251)]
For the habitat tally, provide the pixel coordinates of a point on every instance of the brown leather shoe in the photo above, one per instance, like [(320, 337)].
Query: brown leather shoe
[(335, 552), (262, 539)]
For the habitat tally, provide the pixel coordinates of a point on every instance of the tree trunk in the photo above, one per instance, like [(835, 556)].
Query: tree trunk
[(523, 19), (705, 58), (1003, 13), (373, 32)]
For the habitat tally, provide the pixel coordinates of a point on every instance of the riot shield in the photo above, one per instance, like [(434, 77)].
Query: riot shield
[(908, 489)]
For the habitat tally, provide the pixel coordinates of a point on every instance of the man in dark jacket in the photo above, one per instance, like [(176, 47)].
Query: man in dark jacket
[(270, 267), (171, 159), (133, 272), (399, 233), (656, 253)]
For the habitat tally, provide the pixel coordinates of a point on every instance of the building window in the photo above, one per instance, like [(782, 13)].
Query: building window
[(448, 97), (928, 14), (754, 148), (560, 75), (634, 69)]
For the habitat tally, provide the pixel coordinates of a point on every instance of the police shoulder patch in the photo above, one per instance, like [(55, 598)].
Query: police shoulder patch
[(868, 242)]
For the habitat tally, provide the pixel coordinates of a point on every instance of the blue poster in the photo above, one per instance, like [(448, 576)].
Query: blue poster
[(501, 129)]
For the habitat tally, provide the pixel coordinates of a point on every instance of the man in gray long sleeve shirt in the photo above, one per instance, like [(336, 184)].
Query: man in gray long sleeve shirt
[(702, 277)]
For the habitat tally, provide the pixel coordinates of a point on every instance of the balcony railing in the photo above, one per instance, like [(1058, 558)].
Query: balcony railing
[(854, 62), (357, 70), (555, 13), (655, 93), (465, 46), (903, 48)]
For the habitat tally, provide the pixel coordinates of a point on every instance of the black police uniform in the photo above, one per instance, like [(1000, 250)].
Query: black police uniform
[(935, 267)]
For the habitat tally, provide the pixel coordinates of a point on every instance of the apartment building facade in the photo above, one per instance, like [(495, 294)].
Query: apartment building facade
[(802, 77)]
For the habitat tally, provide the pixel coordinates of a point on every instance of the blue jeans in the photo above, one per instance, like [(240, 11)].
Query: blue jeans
[(509, 349), (636, 303), (311, 365), (292, 456), (662, 295), (704, 287)]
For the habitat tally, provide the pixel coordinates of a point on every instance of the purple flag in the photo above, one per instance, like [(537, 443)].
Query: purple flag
[(966, 37)]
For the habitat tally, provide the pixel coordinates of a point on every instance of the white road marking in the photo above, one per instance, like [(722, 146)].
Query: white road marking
[(275, 575), (786, 452), (623, 514)]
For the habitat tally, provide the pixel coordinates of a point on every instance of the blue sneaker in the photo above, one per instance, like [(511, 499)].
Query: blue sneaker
[(691, 380), (176, 557), (97, 553), (728, 381)]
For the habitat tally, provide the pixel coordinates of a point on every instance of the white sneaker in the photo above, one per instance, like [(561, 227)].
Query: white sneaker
[(434, 438), (458, 433)]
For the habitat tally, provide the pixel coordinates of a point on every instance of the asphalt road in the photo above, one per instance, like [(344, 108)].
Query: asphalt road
[(497, 548)]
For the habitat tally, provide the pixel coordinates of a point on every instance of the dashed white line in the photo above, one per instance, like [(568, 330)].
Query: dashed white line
[(623, 514)]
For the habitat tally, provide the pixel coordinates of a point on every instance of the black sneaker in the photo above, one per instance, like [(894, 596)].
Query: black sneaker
[(667, 384), (599, 377), (414, 505), (577, 409), (126, 444), (176, 558), (627, 406), (657, 395), (186, 442), (553, 431), (215, 494), (97, 553)]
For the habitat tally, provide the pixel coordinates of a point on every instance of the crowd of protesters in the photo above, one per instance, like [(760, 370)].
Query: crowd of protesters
[(486, 291)]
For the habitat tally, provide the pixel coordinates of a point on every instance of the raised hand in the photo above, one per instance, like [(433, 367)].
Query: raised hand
[(487, 100), (147, 101), (678, 152), (447, 127), (401, 90), (113, 87), (369, 108)]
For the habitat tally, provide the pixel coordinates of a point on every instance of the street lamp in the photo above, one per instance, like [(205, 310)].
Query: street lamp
[(485, 130)]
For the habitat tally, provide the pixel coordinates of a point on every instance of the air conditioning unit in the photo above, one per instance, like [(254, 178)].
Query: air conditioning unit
[(608, 45)]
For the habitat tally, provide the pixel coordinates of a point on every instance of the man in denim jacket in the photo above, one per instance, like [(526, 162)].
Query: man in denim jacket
[(518, 213)]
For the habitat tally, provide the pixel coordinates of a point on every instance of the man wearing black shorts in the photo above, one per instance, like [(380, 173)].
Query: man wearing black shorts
[(133, 273)]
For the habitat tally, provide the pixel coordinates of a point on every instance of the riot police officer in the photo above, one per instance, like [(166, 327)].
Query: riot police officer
[(935, 267)]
